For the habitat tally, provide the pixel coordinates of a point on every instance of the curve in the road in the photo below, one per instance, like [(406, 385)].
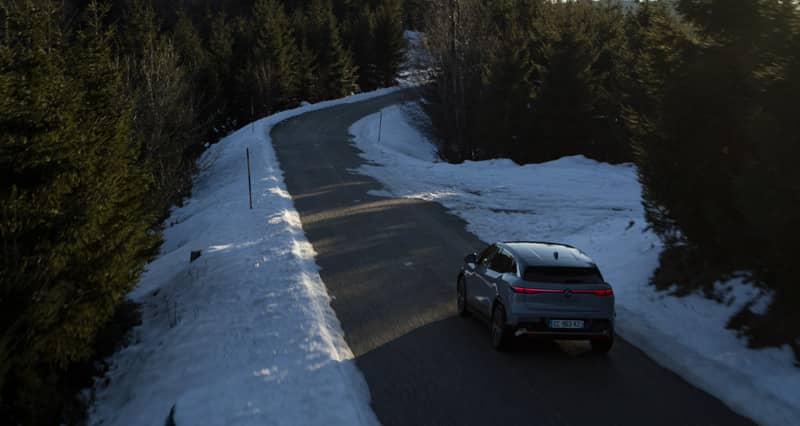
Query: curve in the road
[(390, 265)]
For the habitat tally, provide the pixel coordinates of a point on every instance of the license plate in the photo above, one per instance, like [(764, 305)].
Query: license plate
[(566, 323)]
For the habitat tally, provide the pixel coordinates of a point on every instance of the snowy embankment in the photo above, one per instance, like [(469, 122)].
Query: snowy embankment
[(244, 334), (596, 207)]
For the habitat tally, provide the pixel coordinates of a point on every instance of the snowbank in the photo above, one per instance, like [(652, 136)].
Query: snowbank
[(596, 207), (244, 334)]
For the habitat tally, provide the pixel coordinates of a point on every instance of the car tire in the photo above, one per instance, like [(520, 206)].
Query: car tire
[(500, 332), (602, 346), (461, 297)]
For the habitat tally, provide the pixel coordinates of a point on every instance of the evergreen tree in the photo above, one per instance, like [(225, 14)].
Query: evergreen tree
[(189, 45), (219, 85), (193, 61), (766, 189), (274, 59), (114, 234), (657, 44), (40, 162), (347, 12), (73, 226), (307, 72), (718, 154), (240, 96), (506, 105), (577, 49), (729, 20), (364, 49), (389, 47), (416, 13), (703, 127), (308, 76), (141, 27), (337, 74)]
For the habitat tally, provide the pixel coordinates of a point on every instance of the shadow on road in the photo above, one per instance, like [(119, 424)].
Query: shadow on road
[(445, 372)]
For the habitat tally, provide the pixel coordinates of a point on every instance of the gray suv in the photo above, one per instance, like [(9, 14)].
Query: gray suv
[(537, 289)]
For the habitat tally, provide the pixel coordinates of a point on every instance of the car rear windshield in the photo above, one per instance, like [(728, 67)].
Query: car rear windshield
[(562, 275)]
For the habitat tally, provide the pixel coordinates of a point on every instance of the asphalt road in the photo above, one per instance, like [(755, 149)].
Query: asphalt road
[(391, 264)]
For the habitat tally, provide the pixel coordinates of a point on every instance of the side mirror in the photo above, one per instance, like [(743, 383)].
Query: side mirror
[(471, 258)]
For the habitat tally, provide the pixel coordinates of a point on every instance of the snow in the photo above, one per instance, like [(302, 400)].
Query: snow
[(417, 69), (244, 334), (596, 207)]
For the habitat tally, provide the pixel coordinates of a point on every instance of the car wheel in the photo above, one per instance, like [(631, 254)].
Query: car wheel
[(501, 334), (461, 297), (602, 346)]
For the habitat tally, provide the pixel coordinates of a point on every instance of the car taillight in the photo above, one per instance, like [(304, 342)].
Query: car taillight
[(603, 292), (527, 290)]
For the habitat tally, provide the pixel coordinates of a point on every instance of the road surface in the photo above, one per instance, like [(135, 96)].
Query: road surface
[(390, 266)]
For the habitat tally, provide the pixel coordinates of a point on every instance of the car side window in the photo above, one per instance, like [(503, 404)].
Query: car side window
[(487, 255), (502, 263)]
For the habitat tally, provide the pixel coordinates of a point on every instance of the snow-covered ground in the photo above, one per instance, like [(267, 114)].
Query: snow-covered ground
[(416, 69), (596, 207), (244, 334)]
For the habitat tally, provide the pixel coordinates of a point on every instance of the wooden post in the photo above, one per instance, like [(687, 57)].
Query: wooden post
[(249, 180), (380, 126)]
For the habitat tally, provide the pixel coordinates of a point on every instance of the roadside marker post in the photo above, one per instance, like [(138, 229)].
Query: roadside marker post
[(249, 180), (380, 126)]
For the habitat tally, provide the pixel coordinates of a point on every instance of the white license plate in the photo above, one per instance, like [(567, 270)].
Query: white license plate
[(566, 323)]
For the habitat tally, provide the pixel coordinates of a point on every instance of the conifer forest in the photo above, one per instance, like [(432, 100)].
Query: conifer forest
[(105, 106)]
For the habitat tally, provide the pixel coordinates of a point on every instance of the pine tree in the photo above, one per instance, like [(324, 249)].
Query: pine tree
[(347, 12), (274, 60), (718, 152), (766, 189), (40, 159), (306, 71), (731, 20), (703, 124), (503, 130), (113, 235), (389, 41), (73, 226), (657, 46), (189, 45), (308, 76), (141, 27), (193, 61), (337, 74), (577, 50), (364, 49), (416, 13), (219, 84)]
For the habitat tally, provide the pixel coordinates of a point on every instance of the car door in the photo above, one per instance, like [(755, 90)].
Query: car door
[(476, 293), (494, 276)]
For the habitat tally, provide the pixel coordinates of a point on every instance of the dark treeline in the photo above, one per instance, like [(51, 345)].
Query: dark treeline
[(529, 80), (104, 108), (702, 95)]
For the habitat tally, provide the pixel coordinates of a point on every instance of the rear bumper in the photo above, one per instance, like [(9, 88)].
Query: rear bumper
[(594, 328), (565, 335)]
